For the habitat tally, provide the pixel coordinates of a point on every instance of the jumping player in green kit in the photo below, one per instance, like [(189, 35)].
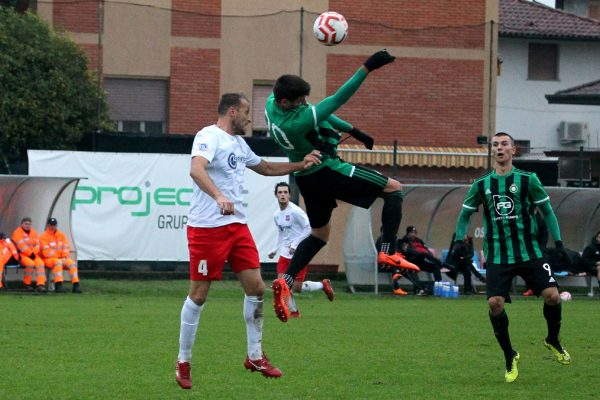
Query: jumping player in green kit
[(299, 128), (509, 198)]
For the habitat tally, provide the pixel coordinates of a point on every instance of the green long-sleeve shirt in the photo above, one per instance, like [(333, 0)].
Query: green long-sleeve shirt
[(509, 202), (290, 128)]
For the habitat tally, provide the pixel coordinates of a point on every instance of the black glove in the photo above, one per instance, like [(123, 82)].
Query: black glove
[(565, 261), (378, 60), (460, 250), (362, 137), (322, 145)]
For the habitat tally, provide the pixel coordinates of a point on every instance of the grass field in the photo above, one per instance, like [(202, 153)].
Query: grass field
[(119, 340)]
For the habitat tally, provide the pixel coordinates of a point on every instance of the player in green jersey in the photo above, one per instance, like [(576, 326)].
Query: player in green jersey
[(509, 198), (299, 128)]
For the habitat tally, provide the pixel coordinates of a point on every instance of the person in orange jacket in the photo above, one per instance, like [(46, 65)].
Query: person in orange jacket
[(55, 252), (7, 251), (26, 239)]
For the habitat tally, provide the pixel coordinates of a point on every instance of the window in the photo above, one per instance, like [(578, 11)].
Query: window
[(138, 105), (260, 93), (543, 62), (571, 168), (141, 127), (594, 9), (523, 146)]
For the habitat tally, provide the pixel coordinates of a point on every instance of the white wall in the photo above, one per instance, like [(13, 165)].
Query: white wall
[(523, 111)]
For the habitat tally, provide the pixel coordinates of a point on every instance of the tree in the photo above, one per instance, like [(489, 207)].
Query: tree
[(48, 97)]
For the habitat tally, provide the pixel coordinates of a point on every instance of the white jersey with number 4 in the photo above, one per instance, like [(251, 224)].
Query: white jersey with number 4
[(227, 157), (293, 226)]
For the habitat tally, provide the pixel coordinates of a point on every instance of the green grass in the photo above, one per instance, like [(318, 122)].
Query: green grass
[(119, 340)]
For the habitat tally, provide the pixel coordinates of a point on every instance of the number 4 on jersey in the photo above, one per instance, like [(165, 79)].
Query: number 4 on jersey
[(203, 267)]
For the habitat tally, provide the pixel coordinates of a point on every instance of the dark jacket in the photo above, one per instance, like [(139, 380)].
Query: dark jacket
[(564, 260), (591, 254), (416, 247)]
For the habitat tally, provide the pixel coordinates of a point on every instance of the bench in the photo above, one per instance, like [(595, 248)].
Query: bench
[(13, 272), (564, 280)]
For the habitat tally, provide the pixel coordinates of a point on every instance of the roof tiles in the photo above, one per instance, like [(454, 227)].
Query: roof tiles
[(526, 19)]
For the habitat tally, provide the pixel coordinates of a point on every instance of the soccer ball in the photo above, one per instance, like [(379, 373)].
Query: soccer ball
[(330, 28), (565, 296)]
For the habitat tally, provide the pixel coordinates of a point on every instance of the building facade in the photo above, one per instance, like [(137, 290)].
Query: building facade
[(546, 51), (165, 63)]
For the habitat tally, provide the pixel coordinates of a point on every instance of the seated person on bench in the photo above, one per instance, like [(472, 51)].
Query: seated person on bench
[(417, 253), (8, 252), (590, 260), (462, 260)]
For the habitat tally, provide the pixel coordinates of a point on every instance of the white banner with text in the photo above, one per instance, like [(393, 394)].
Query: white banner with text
[(134, 206)]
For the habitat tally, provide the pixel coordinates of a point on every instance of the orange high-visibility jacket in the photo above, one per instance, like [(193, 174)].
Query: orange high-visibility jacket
[(28, 243), (8, 249), (54, 244)]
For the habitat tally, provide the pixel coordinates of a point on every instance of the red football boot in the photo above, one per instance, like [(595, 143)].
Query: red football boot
[(328, 289), (182, 375), (263, 366), (281, 299)]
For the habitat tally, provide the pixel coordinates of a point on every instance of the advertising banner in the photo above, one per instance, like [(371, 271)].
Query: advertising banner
[(134, 206)]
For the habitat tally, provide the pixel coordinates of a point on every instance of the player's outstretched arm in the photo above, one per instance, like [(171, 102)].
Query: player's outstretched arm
[(378, 60), (356, 133), (269, 168), (328, 106), (339, 124)]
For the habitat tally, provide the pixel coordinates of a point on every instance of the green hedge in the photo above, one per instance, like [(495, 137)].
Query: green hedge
[(48, 97)]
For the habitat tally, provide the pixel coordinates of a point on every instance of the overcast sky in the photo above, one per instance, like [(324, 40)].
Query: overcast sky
[(550, 3)]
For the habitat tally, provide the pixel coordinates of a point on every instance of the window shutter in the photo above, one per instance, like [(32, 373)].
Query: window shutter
[(260, 93), (137, 99)]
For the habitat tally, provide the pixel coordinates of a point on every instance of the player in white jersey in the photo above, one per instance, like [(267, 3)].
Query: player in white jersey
[(217, 229), (293, 226)]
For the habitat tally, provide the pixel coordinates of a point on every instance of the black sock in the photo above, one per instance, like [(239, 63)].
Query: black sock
[(500, 325), (553, 315), (305, 252), (391, 215), (385, 247)]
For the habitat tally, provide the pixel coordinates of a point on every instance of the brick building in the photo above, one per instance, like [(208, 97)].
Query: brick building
[(165, 63)]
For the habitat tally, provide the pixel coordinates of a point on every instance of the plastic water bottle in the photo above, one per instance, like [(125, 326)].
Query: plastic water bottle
[(440, 289), (454, 292), (445, 290), (436, 288)]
